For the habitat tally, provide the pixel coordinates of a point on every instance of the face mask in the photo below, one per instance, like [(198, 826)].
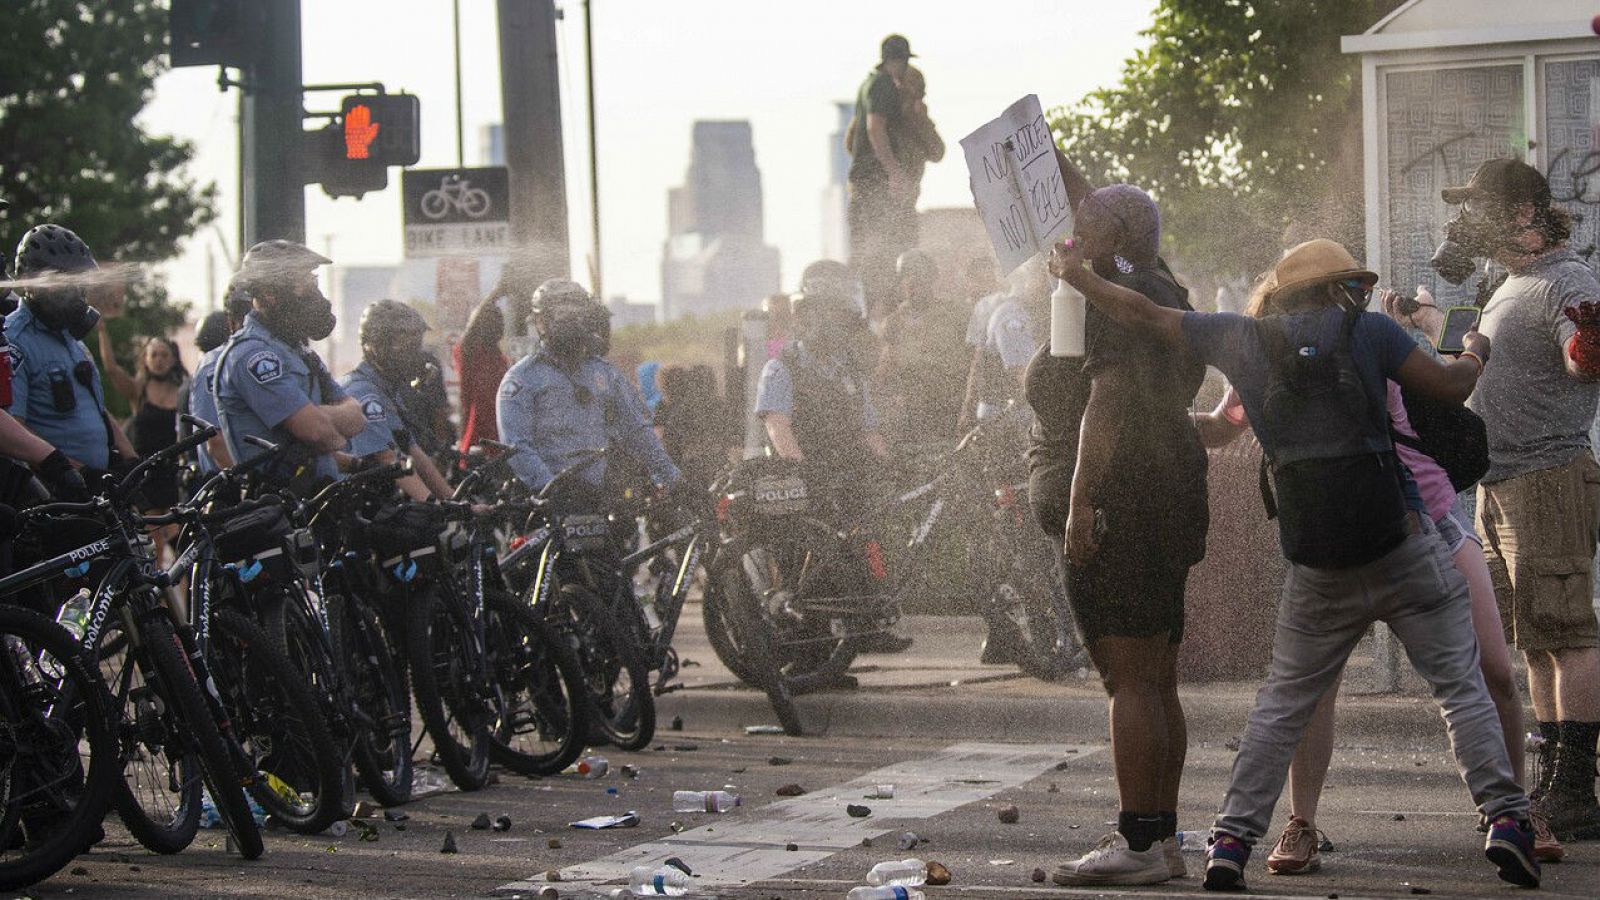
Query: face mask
[(306, 316), (1470, 235), (66, 310)]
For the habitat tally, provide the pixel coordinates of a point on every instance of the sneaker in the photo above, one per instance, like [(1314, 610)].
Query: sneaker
[(1546, 849), (1510, 848), (1176, 867), (1112, 861), (1225, 863), (1296, 850)]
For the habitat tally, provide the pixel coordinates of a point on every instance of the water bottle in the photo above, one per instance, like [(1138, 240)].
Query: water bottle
[(24, 659), (74, 614), (703, 801), (1192, 841), (209, 817), (1068, 312), (667, 881), (885, 892), (588, 767), (904, 873)]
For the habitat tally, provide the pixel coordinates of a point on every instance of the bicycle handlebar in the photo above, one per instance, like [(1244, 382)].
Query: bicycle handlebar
[(584, 460)]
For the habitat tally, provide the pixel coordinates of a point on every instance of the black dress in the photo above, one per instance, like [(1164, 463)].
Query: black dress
[(155, 428)]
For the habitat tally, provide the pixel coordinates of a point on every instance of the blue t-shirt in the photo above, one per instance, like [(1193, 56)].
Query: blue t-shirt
[(55, 389), (384, 427), (203, 404), (260, 383)]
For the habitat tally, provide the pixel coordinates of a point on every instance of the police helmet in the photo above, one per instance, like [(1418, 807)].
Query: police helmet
[(213, 332), (560, 291), (386, 320), (51, 248), (236, 302), (276, 262), (826, 286)]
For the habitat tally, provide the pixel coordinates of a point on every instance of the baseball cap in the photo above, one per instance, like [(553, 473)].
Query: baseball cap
[(1507, 180), (895, 46)]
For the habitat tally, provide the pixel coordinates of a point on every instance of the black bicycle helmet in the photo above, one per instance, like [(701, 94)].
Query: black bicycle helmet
[(385, 320), (51, 248), (213, 332), (558, 291)]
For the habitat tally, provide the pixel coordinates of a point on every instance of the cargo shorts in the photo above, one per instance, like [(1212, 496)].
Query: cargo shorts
[(1539, 534)]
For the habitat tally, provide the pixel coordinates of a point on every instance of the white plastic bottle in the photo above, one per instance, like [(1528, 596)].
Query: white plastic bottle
[(1068, 310), (589, 767), (886, 892), (902, 872), (703, 801), (667, 881), (74, 614)]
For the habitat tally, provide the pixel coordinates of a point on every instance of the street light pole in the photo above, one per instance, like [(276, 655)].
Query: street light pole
[(455, 14), (594, 151)]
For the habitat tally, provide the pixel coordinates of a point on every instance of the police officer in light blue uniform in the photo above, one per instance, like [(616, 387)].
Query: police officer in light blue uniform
[(212, 456), (56, 390), (564, 398), (391, 354), (269, 383)]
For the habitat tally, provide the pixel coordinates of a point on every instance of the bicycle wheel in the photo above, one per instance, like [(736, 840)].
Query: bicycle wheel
[(622, 706), (159, 795), (1032, 605), (543, 717), (58, 752), (382, 698), (445, 680), (277, 721), (191, 716), (733, 601)]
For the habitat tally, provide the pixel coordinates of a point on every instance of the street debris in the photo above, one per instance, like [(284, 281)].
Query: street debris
[(502, 823), (938, 873), (449, 843), (482, 822), (779, 761), (1037, 876), (856, 811), (763, 729), (627, 820), (790, 790), (881, 792), (909, 840), (677, 724), (1008, 814)]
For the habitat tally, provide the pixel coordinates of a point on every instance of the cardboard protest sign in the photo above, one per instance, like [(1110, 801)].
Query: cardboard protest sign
[(1017, 184)]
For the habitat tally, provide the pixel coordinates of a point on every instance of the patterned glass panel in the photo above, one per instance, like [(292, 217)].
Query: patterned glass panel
[(1571, 155)]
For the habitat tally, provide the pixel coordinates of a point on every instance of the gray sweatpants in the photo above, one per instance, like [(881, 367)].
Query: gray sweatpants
[(1417, 591)]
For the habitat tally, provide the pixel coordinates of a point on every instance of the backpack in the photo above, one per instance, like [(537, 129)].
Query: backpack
[(1453, 436), (1339, 501)]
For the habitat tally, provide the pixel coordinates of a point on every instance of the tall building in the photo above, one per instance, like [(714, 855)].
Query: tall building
[(836, 196), (716, 255)]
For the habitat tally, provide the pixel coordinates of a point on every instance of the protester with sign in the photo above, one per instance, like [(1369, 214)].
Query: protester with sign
[(1120, 481), (1311, 378), (1539, 505), (881, 214)]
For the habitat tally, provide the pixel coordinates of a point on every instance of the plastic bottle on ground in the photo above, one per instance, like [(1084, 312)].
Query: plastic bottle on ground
[(667, 881), (703, 801), (885, 892), (209, 817), (589, 767), (902, 872)]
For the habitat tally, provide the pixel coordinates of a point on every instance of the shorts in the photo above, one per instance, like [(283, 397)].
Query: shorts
[(1452, 533), (1127, 592), (1539, 533)]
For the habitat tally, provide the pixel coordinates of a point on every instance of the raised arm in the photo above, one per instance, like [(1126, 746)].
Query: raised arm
[(119, 377), (1078, 186), (1126, 307)]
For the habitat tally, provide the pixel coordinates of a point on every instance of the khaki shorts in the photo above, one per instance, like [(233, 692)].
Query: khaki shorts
[(1539, 539)]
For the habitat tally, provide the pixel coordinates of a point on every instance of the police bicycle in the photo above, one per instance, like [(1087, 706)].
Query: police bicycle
[(173, 732)]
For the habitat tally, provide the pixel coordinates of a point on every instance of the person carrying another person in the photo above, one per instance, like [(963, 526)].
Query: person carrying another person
[(1311, 377), (1118, 479), (391, 353), (881, 211), (270, 384), (1539, 504), (566, 399), (55, 385)]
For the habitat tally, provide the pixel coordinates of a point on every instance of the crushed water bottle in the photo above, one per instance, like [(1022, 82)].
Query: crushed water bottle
[(1192, 841), (703, 801), (74, 614), (667, 881), (902, 872), (589, 767), (886, 892)]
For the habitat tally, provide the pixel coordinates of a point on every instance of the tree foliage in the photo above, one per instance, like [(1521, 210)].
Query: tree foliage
[(74, 76), (1243, 119)]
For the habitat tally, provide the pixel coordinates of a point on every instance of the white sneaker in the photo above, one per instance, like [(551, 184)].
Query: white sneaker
[(1113, 862), (1174, 853)]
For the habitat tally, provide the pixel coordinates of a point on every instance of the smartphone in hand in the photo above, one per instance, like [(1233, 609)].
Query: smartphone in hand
[(1458, 320)]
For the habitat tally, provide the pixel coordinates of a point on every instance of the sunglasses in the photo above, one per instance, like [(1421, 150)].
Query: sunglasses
[(1359, 288)]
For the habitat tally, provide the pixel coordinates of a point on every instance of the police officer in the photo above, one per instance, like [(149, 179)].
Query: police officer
[(213, 455), (269, 383), (392, 355), (564, 398), (56, 389)]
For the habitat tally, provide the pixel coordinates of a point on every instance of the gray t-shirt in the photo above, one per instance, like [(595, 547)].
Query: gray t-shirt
[(1538, 416)]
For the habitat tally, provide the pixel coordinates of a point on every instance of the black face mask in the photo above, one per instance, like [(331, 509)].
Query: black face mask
[(304, 317), (1467, 237), (568, 332), (65, 310)]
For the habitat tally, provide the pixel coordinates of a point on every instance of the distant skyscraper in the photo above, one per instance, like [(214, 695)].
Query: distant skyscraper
[(716, 255), (836, 196)]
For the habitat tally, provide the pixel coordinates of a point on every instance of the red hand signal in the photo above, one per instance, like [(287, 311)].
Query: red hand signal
[(359, 131)]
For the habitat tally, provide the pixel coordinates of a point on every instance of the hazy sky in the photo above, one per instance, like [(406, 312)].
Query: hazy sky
[(660, 65)]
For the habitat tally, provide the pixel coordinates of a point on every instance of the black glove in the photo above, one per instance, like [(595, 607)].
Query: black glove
[(64, 481)]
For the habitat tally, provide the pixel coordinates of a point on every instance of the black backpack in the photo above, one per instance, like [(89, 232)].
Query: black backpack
[(1452, 435)]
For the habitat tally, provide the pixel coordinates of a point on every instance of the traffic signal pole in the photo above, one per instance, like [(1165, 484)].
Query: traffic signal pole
[(530, 93), (272, 176)]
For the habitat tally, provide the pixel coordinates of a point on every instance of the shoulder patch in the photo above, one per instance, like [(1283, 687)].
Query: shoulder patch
[(372, 408), (510, 387), (14, 354), (264, 366)]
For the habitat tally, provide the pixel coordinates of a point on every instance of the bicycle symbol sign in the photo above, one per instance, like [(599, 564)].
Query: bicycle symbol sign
[(450, 212), (456, 192)]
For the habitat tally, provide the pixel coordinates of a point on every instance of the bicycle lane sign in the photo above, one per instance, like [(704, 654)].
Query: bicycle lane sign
[(456, 212)]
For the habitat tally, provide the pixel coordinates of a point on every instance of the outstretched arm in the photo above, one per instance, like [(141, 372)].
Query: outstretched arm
[(1126, 307), (119, 377)]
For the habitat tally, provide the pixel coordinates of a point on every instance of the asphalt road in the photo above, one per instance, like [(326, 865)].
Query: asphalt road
[(1394, 809)]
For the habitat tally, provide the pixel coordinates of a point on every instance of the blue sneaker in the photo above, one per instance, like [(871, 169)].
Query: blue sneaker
[(1510, 847), (1225, 860)]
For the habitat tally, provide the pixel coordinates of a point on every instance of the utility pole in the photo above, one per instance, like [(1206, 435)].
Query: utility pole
[(272, 175), (455, 22), (530, 92), (594, 150)]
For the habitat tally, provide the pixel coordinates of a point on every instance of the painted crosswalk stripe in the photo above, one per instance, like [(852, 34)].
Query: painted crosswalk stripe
[(748, 845)]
